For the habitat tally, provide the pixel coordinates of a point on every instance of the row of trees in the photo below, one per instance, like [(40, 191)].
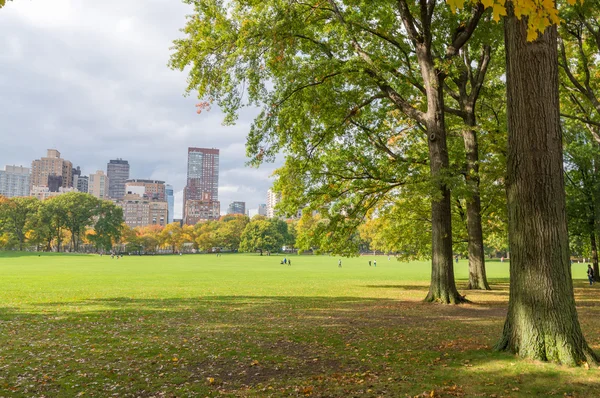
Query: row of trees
[(382, 108), (230, 233), (59, 223), (79, 222)]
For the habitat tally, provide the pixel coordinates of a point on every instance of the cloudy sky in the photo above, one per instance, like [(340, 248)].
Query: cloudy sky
[(90, 78)]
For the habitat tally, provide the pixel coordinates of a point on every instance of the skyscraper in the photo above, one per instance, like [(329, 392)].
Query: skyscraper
[(201, 194), (14, 181), (53, 165), (117, 171), (171, 202)]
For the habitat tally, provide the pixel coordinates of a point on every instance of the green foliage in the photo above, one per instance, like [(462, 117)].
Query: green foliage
[(108, 226), (341, 93), (16, 215), (263, 234)]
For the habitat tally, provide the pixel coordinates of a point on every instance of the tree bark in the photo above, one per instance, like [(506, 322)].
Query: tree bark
[(542, 322), (477, 276), (594, 255), (443, 286)]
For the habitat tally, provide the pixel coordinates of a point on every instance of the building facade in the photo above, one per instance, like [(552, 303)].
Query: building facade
[(117, 171), (14, 181), (171, 202), (141, 212), (262, 209), (153, 189), (237, 208), (98, 185), (51, 165), (82, 184), (273, 198), (196, 211), (202, 188), (43, 193)]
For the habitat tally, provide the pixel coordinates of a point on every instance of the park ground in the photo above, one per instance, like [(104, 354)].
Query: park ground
[(247, 326)]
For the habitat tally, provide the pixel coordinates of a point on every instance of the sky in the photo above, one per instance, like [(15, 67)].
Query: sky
[(90, 78)]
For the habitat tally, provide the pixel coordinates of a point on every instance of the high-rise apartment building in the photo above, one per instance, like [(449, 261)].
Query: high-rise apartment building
[(140, 212), (273, 198), (117, 171), (54, 182), (14, 181), (51, 165), (262, 209), (83, 184), (202, 186), (197, 210), (75, 174), (170, 202), (237, 208), (98, 185), (153, 189)]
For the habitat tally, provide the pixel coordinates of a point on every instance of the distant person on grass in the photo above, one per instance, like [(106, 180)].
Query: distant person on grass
[(369, 263), (375, 263), (590, 274), (340, 263)]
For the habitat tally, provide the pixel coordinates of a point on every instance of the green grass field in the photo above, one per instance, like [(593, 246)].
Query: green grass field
[(246, 326)]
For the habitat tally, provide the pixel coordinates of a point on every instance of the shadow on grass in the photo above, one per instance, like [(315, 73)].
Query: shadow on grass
[(242, 345)]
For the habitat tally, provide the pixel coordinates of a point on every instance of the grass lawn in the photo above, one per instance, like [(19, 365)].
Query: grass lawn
[(246, 326)]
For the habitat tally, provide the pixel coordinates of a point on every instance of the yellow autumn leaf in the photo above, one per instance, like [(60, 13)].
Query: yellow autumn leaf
[(455, 4), (487, 3), (498, 10)]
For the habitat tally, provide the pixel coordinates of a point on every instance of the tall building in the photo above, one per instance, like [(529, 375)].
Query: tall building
[(53, 165), (98, 185), (14, 181), (197, 210), (273, 198), (54, 182), (140, 212), (171, 202), (262, 209), (202, 186), (117, 171), (82, 184), (237, 208), (75, 174), (153, 189)]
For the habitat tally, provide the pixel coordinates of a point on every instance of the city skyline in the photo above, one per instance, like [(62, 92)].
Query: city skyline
[(104, 92)]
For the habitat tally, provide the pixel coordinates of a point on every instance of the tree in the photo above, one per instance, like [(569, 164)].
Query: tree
[(172, 235), (336, 71), (542, 319), (78, 209), (206, 235), (108, 226), (263, 235), (230, 229), (50, 223), (17, 214)]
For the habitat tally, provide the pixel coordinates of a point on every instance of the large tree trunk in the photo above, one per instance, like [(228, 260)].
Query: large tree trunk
[(443, 287), (542, 321), (594, 254), (477, 277)]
